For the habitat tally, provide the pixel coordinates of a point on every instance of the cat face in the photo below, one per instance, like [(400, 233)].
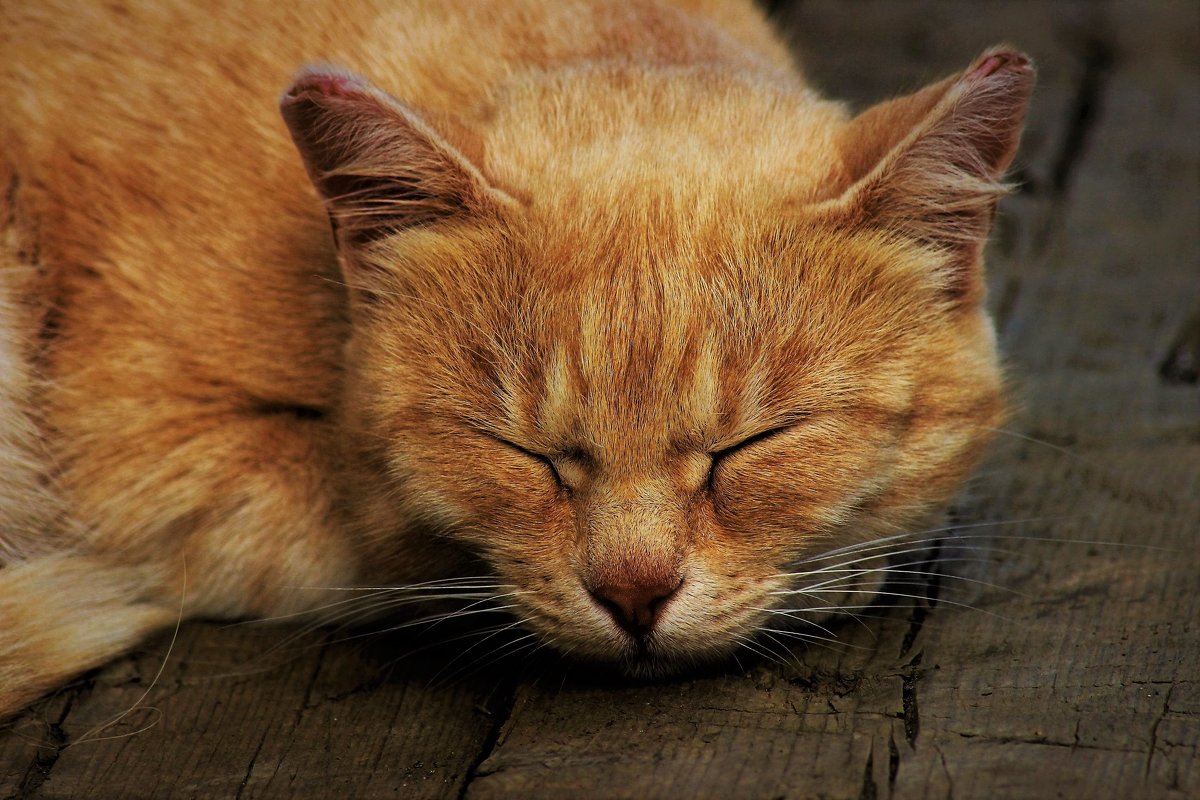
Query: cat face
[(642, 450), (645, 418)]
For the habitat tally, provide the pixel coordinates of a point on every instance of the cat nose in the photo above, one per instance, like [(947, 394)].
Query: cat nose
[(636, 606)]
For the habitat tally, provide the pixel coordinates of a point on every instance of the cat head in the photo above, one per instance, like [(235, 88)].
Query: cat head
[(646, 405)]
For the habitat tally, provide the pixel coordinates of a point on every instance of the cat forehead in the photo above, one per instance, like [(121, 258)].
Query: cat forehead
[(636, 285), (675, 132), (654, 355), (650, 334)]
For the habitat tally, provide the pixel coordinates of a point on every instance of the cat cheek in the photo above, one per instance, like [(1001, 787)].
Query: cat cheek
[(741, 491)]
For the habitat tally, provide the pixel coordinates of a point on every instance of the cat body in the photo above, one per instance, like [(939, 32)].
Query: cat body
[(616, 311)]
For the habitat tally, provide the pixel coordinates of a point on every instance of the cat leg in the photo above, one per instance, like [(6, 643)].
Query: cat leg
[(241, 500), (257, 543), (64, 614), (231, 520)]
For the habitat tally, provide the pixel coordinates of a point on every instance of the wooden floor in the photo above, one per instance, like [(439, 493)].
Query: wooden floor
[(1068, 665)]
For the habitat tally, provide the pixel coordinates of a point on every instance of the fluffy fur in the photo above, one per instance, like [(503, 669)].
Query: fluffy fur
[(616, 312)]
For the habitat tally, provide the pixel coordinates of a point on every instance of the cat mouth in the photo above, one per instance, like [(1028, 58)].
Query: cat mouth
[(647, 659), (664, 652), (651, 660)]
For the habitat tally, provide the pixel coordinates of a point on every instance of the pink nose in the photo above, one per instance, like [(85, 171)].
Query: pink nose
[(636, 607)]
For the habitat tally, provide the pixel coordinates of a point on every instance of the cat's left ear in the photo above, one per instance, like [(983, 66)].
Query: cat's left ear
[(928, 166), (377, 164)]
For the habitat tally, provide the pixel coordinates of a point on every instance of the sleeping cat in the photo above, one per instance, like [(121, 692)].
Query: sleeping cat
[(619, 324)]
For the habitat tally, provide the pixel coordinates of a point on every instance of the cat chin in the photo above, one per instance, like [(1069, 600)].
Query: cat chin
[(654, 662), (712, 657), (667, 654), (664, 668)]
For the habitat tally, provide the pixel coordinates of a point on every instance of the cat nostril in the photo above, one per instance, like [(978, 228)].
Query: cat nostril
[(635, 607)]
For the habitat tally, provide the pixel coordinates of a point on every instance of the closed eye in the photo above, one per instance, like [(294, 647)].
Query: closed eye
[(719, 456), (544, 459)]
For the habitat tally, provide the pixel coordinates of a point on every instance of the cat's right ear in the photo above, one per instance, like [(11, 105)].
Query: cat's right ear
[(379, 167), (929, 166)]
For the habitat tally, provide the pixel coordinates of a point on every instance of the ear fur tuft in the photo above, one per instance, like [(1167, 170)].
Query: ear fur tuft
[(935, 160), (377, 164)]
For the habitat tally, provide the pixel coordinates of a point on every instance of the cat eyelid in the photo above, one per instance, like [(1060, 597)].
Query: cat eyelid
[(754, 439), (791, 421), (542, 457), (718, 456)]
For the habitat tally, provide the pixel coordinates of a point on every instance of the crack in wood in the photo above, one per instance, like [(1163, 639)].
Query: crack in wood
[(39, 771), (1097, 63), (931, 589), (910, 715), (1181, 365), (869, 790), (250, 767), (946, 772), (1042, 741), (1166, 708), (1098, 59), (307, 703), (506, 694), (893, 762)]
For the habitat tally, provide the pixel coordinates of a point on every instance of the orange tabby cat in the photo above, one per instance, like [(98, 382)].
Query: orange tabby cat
[(615, 311)]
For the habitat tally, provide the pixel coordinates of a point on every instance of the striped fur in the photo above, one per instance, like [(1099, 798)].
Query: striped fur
[(613, 299)]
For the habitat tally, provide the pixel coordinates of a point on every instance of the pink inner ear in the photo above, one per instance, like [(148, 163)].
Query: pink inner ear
[(325, 84), (993, 63)]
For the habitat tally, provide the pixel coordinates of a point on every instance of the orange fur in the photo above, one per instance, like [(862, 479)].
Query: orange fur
[(579, 248)]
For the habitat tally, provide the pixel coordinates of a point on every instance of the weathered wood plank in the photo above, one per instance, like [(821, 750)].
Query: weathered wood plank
[(1086, 661), (29, 747), (228, 717), (733, 735), (1088, 682), (1067, 688)]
